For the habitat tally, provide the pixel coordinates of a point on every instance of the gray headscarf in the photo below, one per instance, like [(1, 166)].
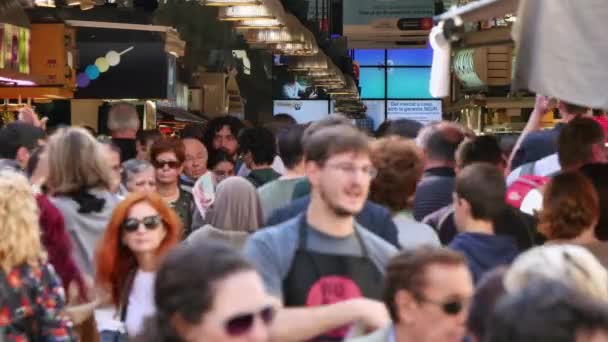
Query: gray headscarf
[(237, 206)]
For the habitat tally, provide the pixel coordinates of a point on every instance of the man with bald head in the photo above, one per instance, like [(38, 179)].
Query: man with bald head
[(195, 165)]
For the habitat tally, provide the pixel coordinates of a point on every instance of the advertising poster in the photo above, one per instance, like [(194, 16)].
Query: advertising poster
[(423, 111)]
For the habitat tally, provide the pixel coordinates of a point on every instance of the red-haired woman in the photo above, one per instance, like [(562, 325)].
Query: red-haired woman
[(142, 229)]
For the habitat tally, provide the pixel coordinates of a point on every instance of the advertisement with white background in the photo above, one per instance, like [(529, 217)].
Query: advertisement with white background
[(303, 111), (423, 111)]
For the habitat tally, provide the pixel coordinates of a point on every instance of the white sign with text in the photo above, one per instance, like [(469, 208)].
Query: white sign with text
[(423, 111)]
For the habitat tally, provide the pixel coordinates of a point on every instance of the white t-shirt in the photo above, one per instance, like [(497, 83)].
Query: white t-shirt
[(106, 319), (141, 302)]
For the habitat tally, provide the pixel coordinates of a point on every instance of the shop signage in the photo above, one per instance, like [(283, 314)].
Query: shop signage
[(15, 48), (385, 15)]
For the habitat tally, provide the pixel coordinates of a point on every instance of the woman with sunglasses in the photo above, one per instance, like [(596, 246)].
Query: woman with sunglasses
[(168, 156), (208, 292), (142, 229)]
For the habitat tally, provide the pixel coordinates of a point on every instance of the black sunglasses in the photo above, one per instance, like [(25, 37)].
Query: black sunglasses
[(242, 323), (150, 222), (159, 164), (451, 307)]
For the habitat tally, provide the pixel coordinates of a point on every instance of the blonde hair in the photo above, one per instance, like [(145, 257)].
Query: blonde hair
[(123, 116), (76, 162), (571, 265), (19, 229)]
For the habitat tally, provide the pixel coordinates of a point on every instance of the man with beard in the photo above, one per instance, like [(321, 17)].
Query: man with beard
[(323, 256), (222, 134)]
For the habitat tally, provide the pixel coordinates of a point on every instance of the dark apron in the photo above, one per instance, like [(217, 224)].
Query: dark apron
[(318, 279)]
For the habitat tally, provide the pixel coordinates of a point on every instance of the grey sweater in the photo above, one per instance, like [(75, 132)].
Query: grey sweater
[(86, 229)]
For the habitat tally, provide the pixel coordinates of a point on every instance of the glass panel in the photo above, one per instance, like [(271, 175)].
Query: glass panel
[(372, 83), (369, 57), (409, 83), (410, 57)]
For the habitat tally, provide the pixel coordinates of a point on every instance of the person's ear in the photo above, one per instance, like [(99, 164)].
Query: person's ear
[(599, 153), (22, 156), (313, 172), (405, 305), (182, 327)]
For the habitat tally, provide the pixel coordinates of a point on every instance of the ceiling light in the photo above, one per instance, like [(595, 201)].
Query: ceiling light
[(237, 13), (259, 23)]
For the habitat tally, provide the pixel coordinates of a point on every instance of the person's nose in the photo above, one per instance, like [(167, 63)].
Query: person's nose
[(259, 332)]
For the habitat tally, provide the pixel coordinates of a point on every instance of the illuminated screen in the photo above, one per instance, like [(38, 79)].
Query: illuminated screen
[(410, 57), (409, 83), (369, 57), (372, 84)]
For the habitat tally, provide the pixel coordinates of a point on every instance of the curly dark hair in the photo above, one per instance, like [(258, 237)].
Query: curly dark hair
[(570, 205), (400, 165), (234, 124)]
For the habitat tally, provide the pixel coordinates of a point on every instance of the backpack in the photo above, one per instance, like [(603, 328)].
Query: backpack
[(522, 186)]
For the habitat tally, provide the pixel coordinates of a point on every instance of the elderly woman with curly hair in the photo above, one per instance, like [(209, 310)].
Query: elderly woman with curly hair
[(570, 214), (400, 165), (33, 298)]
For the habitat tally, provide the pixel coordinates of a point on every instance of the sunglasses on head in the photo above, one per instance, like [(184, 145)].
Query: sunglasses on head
[(160, 164), (149, 222), (451, 307), (242, 323)]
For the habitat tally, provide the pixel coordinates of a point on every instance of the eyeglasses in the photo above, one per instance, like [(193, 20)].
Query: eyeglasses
[(451, 307), (149, 222), (351, 169), (160, 164), (242, 323)]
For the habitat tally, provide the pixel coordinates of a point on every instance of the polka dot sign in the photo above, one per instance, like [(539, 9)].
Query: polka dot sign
[(101, 65)]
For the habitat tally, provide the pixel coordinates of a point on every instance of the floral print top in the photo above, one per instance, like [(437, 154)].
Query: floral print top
[(31, 304)]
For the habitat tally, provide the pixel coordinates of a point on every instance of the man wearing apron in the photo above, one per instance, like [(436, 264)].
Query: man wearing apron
[(323, 256)]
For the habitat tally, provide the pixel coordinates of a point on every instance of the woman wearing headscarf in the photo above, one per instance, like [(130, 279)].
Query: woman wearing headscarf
[(235, 214)]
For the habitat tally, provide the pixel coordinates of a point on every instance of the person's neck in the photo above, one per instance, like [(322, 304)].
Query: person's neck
[(296, 172), (478, 226), (325, 220), (433, 164), (168, 191), (124, 135), (587, 237), (146, 261)]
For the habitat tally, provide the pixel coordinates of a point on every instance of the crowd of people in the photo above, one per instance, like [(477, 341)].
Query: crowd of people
[(292, 232)]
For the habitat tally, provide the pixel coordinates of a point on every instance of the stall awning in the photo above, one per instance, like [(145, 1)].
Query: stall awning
[(177, 114)]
